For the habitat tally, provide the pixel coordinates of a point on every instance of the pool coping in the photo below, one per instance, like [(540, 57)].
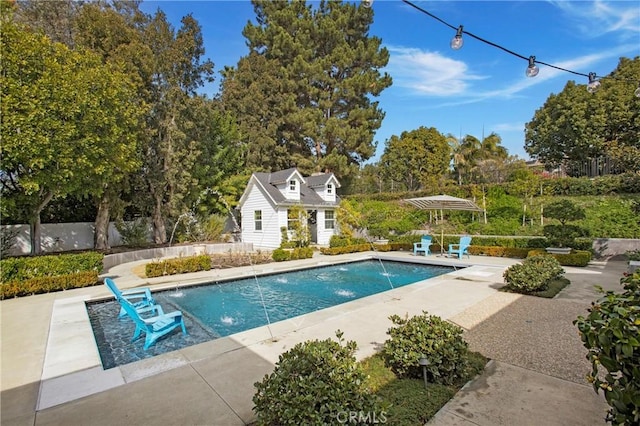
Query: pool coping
[(72, 368)]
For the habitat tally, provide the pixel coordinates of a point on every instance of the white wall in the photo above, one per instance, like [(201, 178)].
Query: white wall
[(57, 237), (269, 236)]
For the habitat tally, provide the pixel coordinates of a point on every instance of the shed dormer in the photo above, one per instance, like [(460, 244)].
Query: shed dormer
[(288, 183), (325, 185)]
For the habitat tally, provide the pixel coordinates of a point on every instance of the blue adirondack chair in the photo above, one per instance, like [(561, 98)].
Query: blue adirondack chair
[(154, 327), (461, 248), (140, 298), (422, 246)]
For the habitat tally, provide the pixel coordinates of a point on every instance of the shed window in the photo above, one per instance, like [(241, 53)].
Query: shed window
[(329, 220), (257, 218)]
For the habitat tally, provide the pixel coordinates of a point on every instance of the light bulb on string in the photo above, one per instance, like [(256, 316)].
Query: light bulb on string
[(367, 3), (457, 41), (593, 84), (532, 70)]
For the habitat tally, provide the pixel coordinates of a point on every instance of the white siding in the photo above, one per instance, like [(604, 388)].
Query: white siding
[(324, 235), (269, 237)]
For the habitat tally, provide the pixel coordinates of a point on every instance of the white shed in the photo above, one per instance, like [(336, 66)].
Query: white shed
[(266, 200)]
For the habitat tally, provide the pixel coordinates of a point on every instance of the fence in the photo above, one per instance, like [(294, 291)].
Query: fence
[(58, 237)]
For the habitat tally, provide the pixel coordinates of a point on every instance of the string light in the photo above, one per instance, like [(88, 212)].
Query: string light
[(531, 71), (457, 41), (593, 84)]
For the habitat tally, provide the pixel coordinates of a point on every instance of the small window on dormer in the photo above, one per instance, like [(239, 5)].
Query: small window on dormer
[(329, 188), (292, 185)]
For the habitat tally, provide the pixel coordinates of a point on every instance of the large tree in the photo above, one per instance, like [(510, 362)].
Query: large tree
[(308, 83), (67, 123), (416, 158), (171, 149), (575, 126)]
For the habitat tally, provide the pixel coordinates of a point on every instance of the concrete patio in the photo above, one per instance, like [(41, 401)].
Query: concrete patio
[(51, 370)]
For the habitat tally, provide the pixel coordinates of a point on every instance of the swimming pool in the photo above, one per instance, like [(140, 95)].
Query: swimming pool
[(214, 310)]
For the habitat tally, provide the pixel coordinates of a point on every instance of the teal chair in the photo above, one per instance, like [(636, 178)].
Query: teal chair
[(140, 298), (462, 248), (153, 327), (423, 246)]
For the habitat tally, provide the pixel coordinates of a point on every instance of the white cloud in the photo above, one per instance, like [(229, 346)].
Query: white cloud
[(596, 18), (428, 73)]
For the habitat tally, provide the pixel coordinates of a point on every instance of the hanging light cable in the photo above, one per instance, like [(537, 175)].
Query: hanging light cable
[(457, 41), (532, 69)]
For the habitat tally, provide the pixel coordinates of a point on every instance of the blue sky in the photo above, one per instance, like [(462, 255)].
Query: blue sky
[(476, 90)]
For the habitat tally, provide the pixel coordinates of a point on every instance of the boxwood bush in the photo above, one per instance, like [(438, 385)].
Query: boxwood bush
[(316, 382), (533, 274), (24, 276), (179, 265), (426, 336), (26, 267), (611, 334), (280, 255)]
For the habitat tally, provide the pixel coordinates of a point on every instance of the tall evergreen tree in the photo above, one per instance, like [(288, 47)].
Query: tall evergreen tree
[(319, 113)]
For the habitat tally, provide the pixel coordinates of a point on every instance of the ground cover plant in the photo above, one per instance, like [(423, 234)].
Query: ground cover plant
[(406, 400), (320, 382)]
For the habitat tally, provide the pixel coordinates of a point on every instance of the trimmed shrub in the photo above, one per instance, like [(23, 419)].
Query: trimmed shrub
[(426, 336), (610, 333), (39, 285), (316, 382), (518, 253), (24, 268), (181, 265), (280, 255), (575, 258), (533, 274)]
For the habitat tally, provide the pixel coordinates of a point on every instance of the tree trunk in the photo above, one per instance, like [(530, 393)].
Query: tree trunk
[(101, 236), (159, 230), (34, 224)]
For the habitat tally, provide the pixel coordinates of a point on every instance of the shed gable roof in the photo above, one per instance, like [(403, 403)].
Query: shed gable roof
[(308, 196)]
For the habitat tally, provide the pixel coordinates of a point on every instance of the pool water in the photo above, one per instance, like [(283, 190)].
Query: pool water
[(219, 309)]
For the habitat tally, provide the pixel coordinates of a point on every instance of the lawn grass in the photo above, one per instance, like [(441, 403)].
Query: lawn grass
[(406, 401)]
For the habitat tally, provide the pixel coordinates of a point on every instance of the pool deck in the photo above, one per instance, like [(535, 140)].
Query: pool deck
[(51, 372)]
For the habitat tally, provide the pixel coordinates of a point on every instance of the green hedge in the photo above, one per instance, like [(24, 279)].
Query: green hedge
[(355, 249), (27, 267), (576, 258), (181, 265), (38, 285), (280, 255), (514, 252)]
